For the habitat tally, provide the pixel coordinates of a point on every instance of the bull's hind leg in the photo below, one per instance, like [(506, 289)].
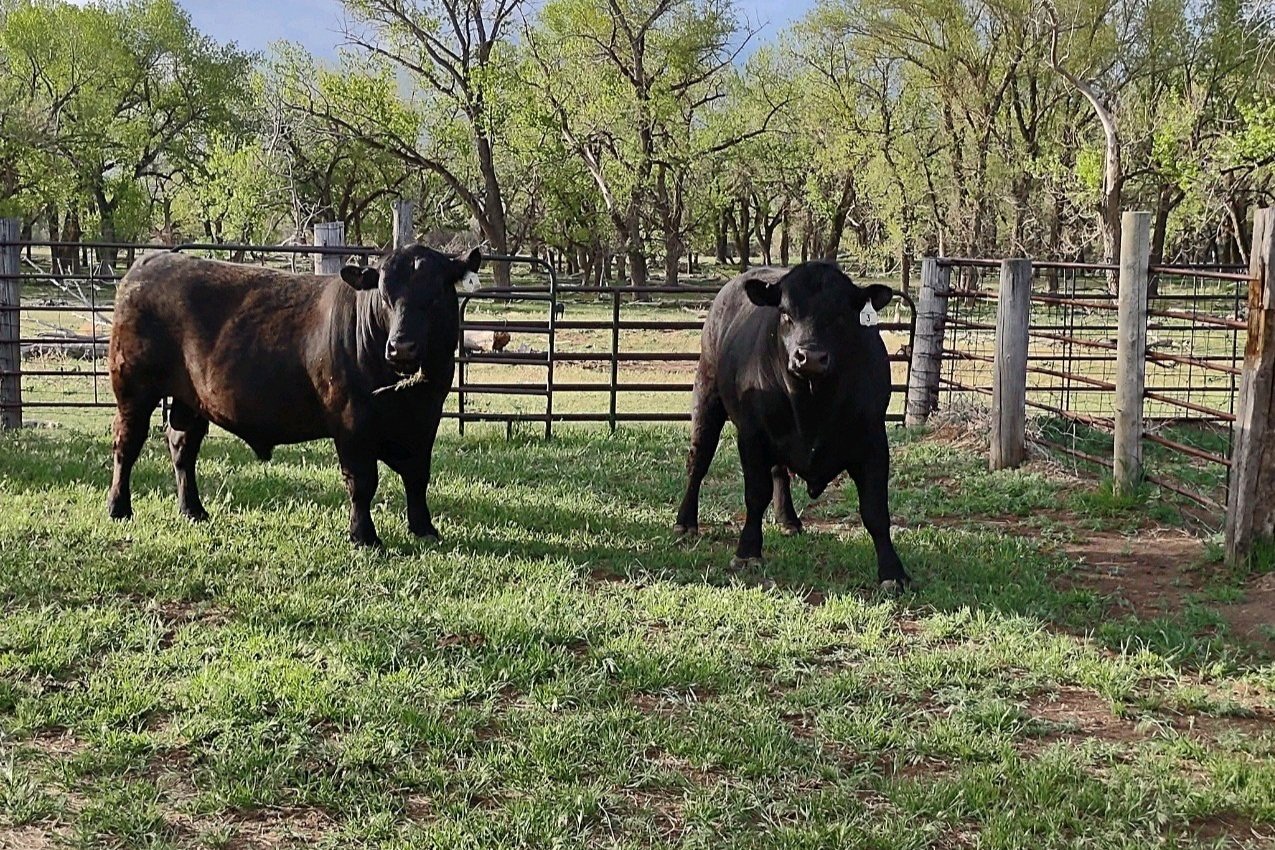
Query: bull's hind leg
[(785, 513), (132, 419), (708, 416), (186, 431), (871, 474)]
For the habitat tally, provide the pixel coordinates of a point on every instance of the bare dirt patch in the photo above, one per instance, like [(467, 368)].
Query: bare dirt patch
[(1148, 574), (1152, 575), (59, 744), (1233, 830), (271, 828), (1083, 714), (33, 837), (1213, 728)]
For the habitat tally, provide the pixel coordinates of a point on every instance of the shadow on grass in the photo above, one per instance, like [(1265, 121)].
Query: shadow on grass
[(604, 507)]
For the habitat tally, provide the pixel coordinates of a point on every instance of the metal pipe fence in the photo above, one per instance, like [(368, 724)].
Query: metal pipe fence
[(575, 353)]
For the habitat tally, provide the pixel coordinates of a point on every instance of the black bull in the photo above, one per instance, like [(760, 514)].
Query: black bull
[(785, 357), (365, 358)]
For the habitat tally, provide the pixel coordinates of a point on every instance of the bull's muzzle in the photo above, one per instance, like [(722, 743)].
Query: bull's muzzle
[(402, 355), (809, 363)]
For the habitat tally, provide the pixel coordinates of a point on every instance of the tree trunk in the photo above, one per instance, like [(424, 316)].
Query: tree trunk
[(784, 237), (742, 240), (493, 223), (719, 235), (71, 232), (639, 273), (673, 249), (106, 218)]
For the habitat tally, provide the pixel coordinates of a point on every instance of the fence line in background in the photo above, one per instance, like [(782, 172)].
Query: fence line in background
[(482, 394), (10, 325)]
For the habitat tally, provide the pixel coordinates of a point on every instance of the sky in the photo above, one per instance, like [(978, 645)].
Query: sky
[(316, 24)]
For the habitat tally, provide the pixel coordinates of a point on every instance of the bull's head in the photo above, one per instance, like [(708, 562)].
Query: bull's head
[(418, 290), (819, 314)]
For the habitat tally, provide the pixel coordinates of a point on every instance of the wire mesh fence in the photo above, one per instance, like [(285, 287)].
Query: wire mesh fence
[(1196, 327)]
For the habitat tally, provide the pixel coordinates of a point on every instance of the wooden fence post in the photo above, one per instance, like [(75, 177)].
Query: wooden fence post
[(1250, 500), (328, 234), (404, 232), (927, 341), (10, 325), (1009, 379), (1131, 349)]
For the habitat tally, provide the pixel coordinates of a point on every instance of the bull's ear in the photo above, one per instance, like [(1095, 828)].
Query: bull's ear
[(761, 292), (879, 295), (361, 277), (474, 260)]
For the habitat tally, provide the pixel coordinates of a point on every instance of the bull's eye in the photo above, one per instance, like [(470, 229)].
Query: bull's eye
[(784, 318)]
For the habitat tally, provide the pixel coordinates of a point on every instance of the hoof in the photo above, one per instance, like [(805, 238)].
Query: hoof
[(892, 587), (686, 530), (199, 515), (789, 530), (372, 542), (738, 563), (430, 534), (118, 511)]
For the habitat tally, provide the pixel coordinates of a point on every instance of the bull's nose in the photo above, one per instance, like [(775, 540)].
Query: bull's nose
[(401, 354), (809, 362)]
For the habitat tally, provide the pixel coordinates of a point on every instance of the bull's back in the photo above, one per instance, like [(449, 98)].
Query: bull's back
[(233, 342)]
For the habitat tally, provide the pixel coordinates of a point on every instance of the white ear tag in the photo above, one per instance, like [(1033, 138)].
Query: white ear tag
[(470, 281), (868, 315)]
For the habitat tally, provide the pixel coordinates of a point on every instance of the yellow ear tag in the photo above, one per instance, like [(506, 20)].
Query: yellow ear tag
[(470, 281), (868, 316)]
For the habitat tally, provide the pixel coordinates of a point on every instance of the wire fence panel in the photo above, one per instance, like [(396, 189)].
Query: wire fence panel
[(1196, 330)]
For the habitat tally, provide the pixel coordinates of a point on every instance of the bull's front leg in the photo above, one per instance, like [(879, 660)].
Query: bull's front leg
[(358, 468), (871, 474), (753, 456), (419, 522), (415, 472)]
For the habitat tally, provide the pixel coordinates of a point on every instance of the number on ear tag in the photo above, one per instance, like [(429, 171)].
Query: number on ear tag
[(470, 281), (868, 316)]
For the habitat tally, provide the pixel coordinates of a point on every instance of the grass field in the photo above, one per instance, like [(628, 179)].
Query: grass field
[(1071, 671)]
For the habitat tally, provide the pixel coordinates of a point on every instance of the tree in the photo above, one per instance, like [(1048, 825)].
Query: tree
[(453, 50), (126, 91)]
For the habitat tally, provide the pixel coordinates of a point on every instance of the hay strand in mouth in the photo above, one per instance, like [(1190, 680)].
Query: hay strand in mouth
[(415, 379)]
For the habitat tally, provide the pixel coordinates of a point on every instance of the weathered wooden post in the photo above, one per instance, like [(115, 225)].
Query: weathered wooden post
[(10, 325), (1131, 349), (1250, 500), (404, 232), (328, 234), (927, 341), (1009, 379)]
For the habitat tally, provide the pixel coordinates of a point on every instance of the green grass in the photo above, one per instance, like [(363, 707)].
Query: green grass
[(560, 672)]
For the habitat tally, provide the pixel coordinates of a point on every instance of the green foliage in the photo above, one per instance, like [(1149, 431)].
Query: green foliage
[(869, 129)]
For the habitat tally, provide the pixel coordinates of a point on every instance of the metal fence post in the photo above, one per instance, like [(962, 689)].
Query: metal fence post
[(927, 341), (328, 234), (404, 232), (1009, 379), (1131, 349), (10, 325), (1250, 500)]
